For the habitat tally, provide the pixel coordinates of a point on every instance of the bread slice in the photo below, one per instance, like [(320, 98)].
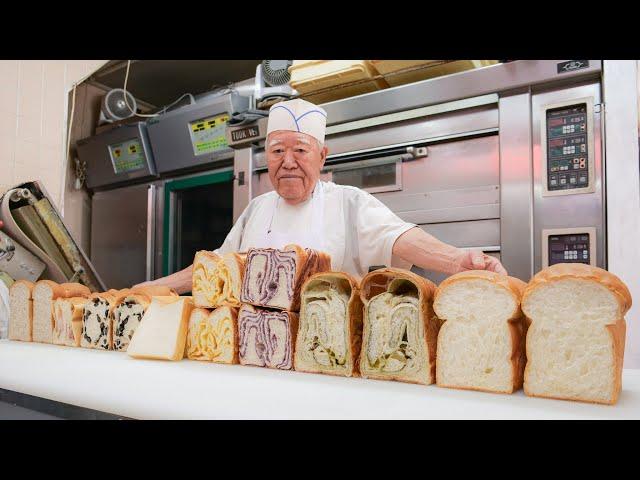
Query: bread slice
[(575, 342), (481, 343), (128, 310), (44, 294), (162, 333), (217, 279), (97, 325), (266, 337), (399, 328), (67, 320), (273, 278), (330, 325), (213, 335), (21, 311)]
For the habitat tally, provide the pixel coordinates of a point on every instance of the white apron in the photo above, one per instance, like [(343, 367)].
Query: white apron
[(309, 238)]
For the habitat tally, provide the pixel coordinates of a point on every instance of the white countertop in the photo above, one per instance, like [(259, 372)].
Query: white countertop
[(115, 383)]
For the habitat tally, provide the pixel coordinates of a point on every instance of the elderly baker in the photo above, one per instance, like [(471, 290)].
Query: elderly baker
[(351, 225)]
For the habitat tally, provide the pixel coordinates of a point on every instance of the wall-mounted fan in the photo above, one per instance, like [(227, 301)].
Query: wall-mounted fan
[(115, 108), (272, 80)]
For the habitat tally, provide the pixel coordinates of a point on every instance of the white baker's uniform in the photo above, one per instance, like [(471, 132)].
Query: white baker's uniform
[(351, 225)]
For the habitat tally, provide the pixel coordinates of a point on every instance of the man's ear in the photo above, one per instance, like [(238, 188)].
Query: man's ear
[(323, 155)]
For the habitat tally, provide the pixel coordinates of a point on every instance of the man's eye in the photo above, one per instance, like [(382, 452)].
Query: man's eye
[(277, 150), (300, 150)]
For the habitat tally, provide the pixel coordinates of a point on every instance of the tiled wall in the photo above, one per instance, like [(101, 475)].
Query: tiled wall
[(32, 101)]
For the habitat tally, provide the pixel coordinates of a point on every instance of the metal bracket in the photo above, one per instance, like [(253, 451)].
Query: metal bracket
[(414, 153)]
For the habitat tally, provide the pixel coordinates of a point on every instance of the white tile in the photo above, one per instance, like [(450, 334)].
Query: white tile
[(8, 123), (50, 157), (8, 86), (30, 88), (29, 128), (7, 152), (27, 154), (92, 66), (75, 72), (52, 124)]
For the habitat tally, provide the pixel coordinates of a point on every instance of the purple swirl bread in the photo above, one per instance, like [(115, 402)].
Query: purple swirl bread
[(266, 338), (273, 278)]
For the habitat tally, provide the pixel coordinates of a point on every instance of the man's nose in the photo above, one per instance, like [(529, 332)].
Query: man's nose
[(289, 161)]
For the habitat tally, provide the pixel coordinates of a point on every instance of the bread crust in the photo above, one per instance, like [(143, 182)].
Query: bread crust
[(377, 282), (516, 321), (617, 329), (354, 316), (309, 262), (152, 291), (207, 312)]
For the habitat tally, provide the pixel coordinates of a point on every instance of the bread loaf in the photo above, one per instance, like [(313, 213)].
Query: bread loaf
[(399, 328), (45, 292), (266, 337), (330, 325), (481, 342), (162, 333), (575, 341), (273, 278), (97, 324), (217, 279), (213, 335), (67, 320), (21, 311)]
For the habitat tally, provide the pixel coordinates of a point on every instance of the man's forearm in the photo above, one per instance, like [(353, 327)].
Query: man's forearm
[(426, 251), (179, 281)]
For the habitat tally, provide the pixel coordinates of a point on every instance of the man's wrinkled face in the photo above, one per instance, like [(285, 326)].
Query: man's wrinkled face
[(294, 161)]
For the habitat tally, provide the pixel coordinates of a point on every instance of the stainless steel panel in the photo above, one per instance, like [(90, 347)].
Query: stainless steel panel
[(422, 130), (151, 226), (581, 210), (242, 171), (100, 169), (516, 209), (473, 83), (119, 222)]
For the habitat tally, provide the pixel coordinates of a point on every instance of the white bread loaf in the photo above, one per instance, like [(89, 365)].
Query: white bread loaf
[(575, 341), (67, 320), (213, 335), (217, 279), (481, 342), (400, 331), (330, 325), (162, 333), (21, 311), (45, 292)]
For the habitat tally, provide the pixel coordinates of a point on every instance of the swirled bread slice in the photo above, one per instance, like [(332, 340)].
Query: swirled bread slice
[(162, 333), (128, 311), (481, 342), (44, 294), (97, 325), (575, 341), (213, 335), (330, 325), (21, 311), (67, 320), (399, 328), (266, 338), (217, 279), (273, 278)]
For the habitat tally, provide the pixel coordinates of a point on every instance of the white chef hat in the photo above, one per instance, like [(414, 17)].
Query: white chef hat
[(298, 116)]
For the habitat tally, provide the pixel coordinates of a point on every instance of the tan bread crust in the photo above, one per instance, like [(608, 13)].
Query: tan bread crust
[(308, 263), (75, 290), (377, 282), (617, 330), (154, 291), (354, 314), (582, 272), (516, 322), (29, 320)]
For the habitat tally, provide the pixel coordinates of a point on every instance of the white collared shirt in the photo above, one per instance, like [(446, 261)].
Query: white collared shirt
[(359, 229)]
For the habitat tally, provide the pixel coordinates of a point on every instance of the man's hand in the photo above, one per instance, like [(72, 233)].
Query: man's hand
[(476, 260)]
